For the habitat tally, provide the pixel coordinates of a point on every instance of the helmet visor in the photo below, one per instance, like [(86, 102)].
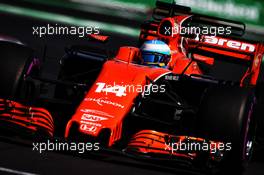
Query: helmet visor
[(155, 58)]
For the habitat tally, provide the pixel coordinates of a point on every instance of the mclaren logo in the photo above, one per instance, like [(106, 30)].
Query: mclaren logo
[(230, 43), (102, 101)]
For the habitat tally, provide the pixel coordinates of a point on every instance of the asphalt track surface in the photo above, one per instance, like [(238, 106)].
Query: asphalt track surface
[(20, 159)]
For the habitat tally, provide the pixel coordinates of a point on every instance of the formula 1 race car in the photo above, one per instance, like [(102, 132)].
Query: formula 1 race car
[(187, 112)]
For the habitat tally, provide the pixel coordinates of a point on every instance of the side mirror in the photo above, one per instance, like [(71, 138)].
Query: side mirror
[(203, 59)]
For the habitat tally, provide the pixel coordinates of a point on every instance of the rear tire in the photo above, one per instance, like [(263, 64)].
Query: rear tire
[(260, 111), (226, 115)]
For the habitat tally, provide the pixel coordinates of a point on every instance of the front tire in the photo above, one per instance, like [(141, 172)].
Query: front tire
[(14, 62)]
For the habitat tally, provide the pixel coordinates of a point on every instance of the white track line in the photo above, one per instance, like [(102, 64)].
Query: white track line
[(7, 170)]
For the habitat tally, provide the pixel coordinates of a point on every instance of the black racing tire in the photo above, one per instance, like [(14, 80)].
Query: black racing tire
[(14, 62), (226, 115), (260, 111)]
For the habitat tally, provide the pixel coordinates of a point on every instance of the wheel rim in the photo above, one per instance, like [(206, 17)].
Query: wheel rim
[(249, 148), (249, 136)]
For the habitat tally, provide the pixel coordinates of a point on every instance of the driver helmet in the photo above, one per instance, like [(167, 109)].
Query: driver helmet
[(155, 53)]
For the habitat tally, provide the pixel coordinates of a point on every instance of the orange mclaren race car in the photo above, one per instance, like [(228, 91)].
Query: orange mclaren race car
[(184, 97)]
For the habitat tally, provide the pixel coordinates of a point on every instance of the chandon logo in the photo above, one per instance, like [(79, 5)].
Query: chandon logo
[(101, 101), (230, 43)]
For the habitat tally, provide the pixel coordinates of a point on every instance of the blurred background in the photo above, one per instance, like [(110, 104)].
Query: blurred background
[(125, 16)]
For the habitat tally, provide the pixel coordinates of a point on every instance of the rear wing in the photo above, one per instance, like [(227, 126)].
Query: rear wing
[(230, 48), (164, 10), (231, 42)]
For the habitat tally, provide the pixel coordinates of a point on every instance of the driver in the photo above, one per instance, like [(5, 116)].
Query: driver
[(155, 53)]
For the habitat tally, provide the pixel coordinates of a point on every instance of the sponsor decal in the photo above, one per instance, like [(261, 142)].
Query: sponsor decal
[(122, 90), (94, 111), (91, 123), (92, 118), (172, 77), (88, 128), (118, 90), (104, 100), (230, 43)]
